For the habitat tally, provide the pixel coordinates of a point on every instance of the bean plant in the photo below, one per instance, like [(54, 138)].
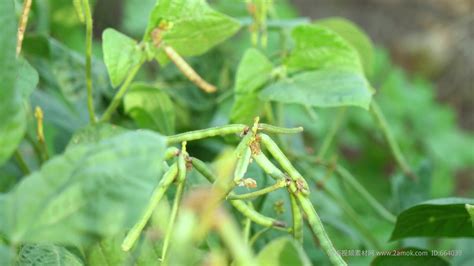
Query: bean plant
[(97, 157)]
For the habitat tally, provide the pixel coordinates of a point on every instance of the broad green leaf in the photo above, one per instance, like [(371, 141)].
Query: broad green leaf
[(12, 113), (91, 191), (321, 88), (151, 108), (446, 217), (409, 256), (253, 72), (283, 251), (121, 54), (318, 47), (27, 78), (46, 254), (92, 134), (194, 27), (354, 36)]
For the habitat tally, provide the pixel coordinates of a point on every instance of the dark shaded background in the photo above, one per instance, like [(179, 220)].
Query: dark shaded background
[(434, 38)]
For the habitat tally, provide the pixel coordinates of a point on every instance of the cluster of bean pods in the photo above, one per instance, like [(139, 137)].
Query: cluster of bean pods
[(249, 149)]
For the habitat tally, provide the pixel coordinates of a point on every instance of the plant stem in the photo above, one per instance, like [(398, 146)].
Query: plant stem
[(21, 163), (40, 133), (297, 219), (279, 184), (90, 97), (240, 205), (23, 22), (397, 153), (121, 92), (352, 181), (351, 213), (158, 193), (174, 214), (332, 133), (257, 235)]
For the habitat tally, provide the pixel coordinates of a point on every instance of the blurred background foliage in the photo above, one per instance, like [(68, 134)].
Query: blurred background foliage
[(414, 102)]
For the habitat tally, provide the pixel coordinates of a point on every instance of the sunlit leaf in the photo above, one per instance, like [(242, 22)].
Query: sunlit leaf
[(446, 217), (12, 114), (47, 254), (151, 108), (321, 88), (91, 191), (253, 72)]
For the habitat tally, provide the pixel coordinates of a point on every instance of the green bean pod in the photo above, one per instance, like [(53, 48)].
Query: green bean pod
[(158, 193), (171, 152), (276, 152), (242, 165), (297, 219), (279, 184), (279, 130), (255, 216), (268, 167), (318, 229), (206, 133), (202, 168), (181, 167)]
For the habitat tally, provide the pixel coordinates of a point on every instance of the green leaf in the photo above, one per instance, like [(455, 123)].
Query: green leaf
[(194, 27), (46, 254), (354, 36), (283, 251), (446, 217), (91, 191), (253, 72), (27, 78), (93, 134), (12, 113), (151, 108), (318, 47), (407, 256), (321, 88), (121, 54), (470, 210)]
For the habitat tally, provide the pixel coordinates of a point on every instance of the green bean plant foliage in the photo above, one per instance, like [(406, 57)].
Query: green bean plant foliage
[(220, 133)]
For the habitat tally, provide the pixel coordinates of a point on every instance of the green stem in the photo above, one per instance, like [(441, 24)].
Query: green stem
[(240, 205), (356, 220), (397, 153), (279, 184), (174, 214), (297, 219), (158, 193), (257, 235), (90, 99), (332, 133), (119, 95), (352, 181), (22, 163)]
